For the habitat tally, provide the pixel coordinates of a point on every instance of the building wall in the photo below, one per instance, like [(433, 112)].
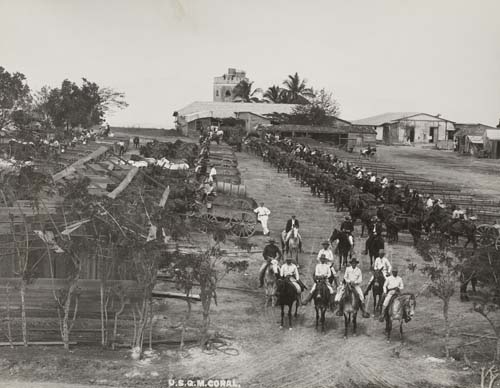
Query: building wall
[(224, 85), (419, 130), (252, 120)]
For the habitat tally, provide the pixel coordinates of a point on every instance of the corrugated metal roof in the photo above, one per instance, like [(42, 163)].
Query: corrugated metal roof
[(493, 134), (200, 109), (384, 118), (471, 129), (318, 129), (475, 139)]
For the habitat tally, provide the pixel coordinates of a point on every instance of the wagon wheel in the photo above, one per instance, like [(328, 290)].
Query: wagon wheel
[(206, 221), (241, 204), (486, 235), (243, 223)]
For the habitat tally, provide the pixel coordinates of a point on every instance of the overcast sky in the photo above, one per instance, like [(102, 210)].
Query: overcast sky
[(433, 56)]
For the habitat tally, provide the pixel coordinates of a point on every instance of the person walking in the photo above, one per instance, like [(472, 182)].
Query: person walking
[(263, 217)]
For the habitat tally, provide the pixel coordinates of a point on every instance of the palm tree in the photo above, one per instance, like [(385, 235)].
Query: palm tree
[(243, 92), (275, 94), (296, 90)]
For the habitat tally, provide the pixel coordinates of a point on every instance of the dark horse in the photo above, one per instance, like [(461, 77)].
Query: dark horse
[(377, 290), (350, 305), (401, 309), (374, 244), (136, 142), (321, 302), (344, 246), (287, 295)]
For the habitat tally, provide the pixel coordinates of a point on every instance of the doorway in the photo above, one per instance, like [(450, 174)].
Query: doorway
[(433, 134)]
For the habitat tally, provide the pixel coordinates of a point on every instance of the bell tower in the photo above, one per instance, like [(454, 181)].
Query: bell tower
[(224, 85)]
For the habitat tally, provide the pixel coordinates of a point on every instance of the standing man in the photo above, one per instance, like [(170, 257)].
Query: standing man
[(263, 216), (354, 277), (212, 176), (393, 285), (270, 252)]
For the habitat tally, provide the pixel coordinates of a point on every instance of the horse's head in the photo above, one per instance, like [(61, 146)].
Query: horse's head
[(378, 277), (409, 307), (335, 235), (274, 266)]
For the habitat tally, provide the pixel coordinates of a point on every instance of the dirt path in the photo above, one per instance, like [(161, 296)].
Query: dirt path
[(303, 357)]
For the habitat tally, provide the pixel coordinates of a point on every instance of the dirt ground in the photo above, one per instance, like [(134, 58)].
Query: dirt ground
[(256, 352)]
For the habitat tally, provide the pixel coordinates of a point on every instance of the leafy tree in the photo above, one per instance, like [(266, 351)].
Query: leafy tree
[(275, 94), (243, 92), (14, 94), (321, 110), (296, 90)]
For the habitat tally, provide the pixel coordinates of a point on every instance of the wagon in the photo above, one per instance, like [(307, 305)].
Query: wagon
[(488, 235), (233, 214)]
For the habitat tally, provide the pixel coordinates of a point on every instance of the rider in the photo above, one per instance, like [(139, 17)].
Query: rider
[(374, 232), (322, 271), (290, 271), (326, 251), (270, 252), (381, 263), (212, 176), (348, 227), (354, 277), (393, 286)]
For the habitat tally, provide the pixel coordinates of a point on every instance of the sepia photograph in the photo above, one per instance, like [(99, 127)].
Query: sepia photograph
[(250, 194)]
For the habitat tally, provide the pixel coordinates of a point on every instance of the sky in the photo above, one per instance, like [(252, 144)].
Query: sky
[(432, 56)]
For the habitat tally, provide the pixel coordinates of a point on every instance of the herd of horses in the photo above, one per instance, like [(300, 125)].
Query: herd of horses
[(399, 208)]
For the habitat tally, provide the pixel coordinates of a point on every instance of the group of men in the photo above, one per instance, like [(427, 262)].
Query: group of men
[(325, 271)]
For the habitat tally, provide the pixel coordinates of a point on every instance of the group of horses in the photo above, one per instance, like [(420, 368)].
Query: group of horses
[(399, 208), (281, 292)]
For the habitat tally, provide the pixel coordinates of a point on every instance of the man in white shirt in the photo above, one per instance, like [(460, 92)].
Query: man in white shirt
[(393, 285), (429, 202), (325, 251), (381, 264), (290, 271), (212, 176), (354, 277), (263, 216), (323, 271)]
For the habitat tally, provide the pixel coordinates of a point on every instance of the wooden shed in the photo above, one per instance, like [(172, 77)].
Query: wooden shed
[(491, 141)]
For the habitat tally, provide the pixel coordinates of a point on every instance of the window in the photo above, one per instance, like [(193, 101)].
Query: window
[(217, 93), (228, 93)]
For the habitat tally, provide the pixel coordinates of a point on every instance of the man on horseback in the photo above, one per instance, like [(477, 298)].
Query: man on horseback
[(381, 264), (291, 224), (354, 277), (375, 231), (326, 251), (348, 227), (290, 272), (323, 271), (270, 252), (392, 287)]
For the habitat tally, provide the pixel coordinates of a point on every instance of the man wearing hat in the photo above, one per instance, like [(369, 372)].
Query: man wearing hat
[(290, 271), (354, 277), (348, 227), (212, 176), (270, 252), (263, 216), (381, 263), (290, 224), (322, 271), (392, 287), (326, 251)]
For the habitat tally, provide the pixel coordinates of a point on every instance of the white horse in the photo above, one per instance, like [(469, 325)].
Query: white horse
[(270, 276), (167, 164)]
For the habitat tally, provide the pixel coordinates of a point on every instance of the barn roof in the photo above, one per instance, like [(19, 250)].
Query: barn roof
[(202, 109), (323, 129), (391, 117), (471, 129)]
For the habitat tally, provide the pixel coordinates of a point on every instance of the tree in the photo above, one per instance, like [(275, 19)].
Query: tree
[(296, 90), (244, 93), (14, 94), (321, 110), (275, 94)]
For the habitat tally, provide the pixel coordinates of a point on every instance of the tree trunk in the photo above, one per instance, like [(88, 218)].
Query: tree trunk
[(23, 313), (446, 306), (67, 307), (206, 299), (497, 355)]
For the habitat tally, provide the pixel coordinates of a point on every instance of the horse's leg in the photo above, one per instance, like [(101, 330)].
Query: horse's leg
[(297, 302), (354, 321), (290, 306), (317, 316), (401, 330), (388, 328), (282, 315), (323, 312), (473, 282), (346, 323)]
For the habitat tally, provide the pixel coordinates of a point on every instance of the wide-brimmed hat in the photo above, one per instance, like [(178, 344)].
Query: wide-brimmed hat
[(348, 217), (381, 252), (394, 269), (354, 260), (323, 257), (271, 240), (288, 258), (326, 242)]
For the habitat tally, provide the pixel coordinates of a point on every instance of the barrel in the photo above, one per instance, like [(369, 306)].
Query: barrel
[(231, 189), (234, 179)]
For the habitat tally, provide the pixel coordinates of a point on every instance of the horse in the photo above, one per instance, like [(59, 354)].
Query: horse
[(401, 309), (136, 142), (321, 302), (292, 246), (374, 245), (351, 305), (270, 276), (343, 246), (367, 153), (461, 228), (377, 290), (167, 164), (287, 295)]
